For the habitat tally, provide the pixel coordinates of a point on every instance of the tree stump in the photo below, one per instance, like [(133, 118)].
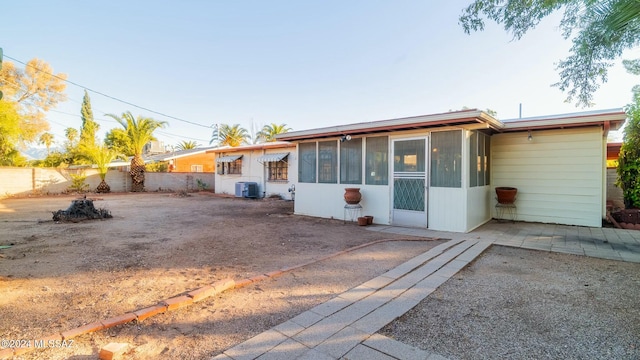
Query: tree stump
[(81, 209)]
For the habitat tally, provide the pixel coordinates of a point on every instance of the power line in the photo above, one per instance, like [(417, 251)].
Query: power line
[(174, 136), (111, 97)]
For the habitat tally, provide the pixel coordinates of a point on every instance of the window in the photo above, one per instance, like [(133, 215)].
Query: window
[(278, 170), (319, 160), (307, 162), (377, 161), (351, 161), (228, 165), (328, 162), (196, 168), (479, 148), (409, 156), (446, 159)]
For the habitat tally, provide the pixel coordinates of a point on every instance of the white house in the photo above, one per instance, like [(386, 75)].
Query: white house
[(440, 171), (269, 166)]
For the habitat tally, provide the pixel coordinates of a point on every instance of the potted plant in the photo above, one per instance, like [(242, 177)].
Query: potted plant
[(506, 195)]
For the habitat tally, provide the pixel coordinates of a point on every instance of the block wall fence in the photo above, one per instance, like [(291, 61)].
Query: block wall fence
[(19, 181)]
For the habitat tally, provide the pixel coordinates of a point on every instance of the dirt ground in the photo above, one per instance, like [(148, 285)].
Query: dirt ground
[(58, 276)]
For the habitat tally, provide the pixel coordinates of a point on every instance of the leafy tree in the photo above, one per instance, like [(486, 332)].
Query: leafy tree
[(158, 166), (54, 159), (46, 139), (36, 90), (603, 30), (269, 132), (629, 159), (89, 126), (9, 133), (227, 135), (118, 140), (139, 131), (186, 145)]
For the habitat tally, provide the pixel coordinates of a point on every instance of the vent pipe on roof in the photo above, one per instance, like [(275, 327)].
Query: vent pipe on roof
[(520, 111)]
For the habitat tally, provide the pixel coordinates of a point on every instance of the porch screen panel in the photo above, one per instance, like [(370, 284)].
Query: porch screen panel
[(351, 161), (487, 157), (328, 162), (446, 159), (307, 162), (479, 147), (377, 161), (474, 160)]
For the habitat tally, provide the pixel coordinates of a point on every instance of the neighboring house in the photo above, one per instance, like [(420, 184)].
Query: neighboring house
[(440, 171), (615, 198), (191, 160), (271, 166)]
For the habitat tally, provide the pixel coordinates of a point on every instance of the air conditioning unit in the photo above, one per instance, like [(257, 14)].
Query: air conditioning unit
[(239, 189), (247, 189)]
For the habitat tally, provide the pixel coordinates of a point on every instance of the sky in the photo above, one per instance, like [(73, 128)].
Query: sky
[(306, 64)]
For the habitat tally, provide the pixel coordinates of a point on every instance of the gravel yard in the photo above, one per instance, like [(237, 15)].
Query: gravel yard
[(526, 304)]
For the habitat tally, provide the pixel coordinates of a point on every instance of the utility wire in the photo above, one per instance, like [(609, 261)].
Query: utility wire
[(171, 135), (112, 97)]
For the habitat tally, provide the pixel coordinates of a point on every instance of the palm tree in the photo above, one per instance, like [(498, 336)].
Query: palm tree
[(101, 156), (46, 139), (186, 145), (269, 132), (139, 132), (72, 136), (230, 135)]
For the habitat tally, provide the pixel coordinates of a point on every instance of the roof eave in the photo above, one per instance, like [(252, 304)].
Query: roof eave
[(611, 120), (261, 146), (457, 118)]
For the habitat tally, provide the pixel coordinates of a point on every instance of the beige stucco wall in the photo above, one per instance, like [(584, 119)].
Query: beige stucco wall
[(31, 181)]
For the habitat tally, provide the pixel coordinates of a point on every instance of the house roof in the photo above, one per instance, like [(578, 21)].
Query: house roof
[(176, 154), (610, 119), (261, 146), (452, 118)]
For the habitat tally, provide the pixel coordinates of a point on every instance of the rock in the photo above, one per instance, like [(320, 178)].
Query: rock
[(112, 351)]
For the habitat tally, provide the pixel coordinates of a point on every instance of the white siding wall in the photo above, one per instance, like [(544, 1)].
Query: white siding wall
[(447, 211), (559, 174), (478, 206), (254, 171), (327, 201)]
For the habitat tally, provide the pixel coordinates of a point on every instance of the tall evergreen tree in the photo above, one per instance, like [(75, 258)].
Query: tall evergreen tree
[(89, 126)]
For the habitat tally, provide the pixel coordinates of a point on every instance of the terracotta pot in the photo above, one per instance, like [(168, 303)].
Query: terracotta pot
[(352, 195), (362, 221), (369, 219), (506, 195)]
